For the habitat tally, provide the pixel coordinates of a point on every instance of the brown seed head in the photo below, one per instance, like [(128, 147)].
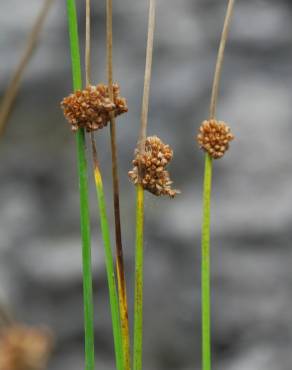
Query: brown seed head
[(214, 137), (24, 348), (91, 108), (149, 168)]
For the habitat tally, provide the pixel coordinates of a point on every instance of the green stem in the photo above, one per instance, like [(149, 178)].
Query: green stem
[(110, 269), (206, 327), (83, 188), (138, 307)]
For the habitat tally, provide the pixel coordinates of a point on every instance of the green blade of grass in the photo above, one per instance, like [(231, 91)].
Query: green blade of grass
[(83, 188), (138, 299), (110, 269), (206, 327)]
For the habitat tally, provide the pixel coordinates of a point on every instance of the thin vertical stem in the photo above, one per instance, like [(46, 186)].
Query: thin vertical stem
[(118, 232), (87, 44), (83, 188), (220, 59), (206, 327), (138, 299), (206, 278), (138, 309), (13, 87), (147, 79), (105, 230)]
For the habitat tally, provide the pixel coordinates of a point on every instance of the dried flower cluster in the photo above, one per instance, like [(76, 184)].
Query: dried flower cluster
[(150, 167), (92, 107), (24, 348), (214, 138)]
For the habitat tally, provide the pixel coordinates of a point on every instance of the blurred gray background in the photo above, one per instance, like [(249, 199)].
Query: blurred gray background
[(40, 259)]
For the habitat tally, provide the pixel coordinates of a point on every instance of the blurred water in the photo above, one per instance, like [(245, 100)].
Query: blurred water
[(40, 264)]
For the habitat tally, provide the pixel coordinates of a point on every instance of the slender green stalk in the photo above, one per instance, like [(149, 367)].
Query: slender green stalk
[(138, 309), (206, 327), (206, 278), (114, 302), (138, 299), (83, 188), (122, 290)]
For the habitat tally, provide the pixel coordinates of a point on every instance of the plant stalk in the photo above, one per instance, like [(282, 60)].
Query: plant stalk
[(122, 290), (87, 43), (147, 78), (205, 273), (13, 87), (105, 230), (206, 327), (220, 59), (138, 309), (138, 298), (83, 188)]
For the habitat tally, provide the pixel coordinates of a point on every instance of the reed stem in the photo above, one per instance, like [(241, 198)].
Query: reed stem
[(138, 309), (206, 278), (83, 188), (147, 78), (206, 326), (220, 59), (13, 87), (122, 290), (138, 299), (105, 230), (87, 43)]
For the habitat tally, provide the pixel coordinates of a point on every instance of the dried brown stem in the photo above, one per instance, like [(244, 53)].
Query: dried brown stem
[(220, 58), (94, 151), (13, 87), (118, 232)]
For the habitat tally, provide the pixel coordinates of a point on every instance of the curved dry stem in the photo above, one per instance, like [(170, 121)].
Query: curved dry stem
[(12, 89), (220, 58)]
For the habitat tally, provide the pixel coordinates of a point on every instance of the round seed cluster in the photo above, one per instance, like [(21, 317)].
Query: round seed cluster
[(23, 348), (92, 107), (149, 168), (214, 137)]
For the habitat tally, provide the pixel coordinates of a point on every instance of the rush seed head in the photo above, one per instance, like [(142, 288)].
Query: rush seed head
[(91, 108), (24, 348), (149, 168), (214, 137)]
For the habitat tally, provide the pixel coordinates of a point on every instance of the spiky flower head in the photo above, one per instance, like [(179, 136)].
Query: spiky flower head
[(92, 107), (214, 138), (149, 168), (24, 348)]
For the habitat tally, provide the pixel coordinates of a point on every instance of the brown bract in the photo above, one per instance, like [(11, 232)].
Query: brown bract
[(149, 168), (92, 107), (214, 137), (24, 348)]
